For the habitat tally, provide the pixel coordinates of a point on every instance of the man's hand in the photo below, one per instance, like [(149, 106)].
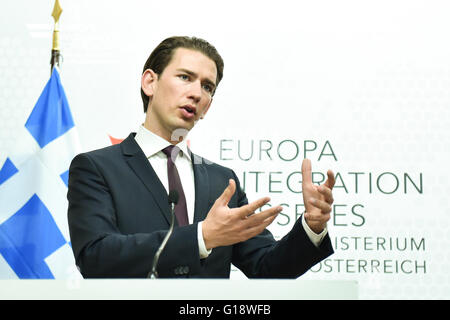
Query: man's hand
[(317, 199), (224, 226)]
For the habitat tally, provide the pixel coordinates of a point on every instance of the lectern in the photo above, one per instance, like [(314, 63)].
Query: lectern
[(174, 289)]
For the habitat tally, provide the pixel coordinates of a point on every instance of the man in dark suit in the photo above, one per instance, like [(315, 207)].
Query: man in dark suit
[(118, 204)]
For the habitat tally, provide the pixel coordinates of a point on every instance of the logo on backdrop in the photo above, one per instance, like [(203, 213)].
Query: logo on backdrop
[(270, 167)]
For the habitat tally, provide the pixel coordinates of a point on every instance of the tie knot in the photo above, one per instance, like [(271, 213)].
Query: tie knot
[(171, 151)]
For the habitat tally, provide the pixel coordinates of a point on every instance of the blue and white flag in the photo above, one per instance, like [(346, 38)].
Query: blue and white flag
[(34, 233)]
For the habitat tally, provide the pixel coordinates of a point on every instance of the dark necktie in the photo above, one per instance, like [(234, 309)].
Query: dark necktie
[(175, 184)]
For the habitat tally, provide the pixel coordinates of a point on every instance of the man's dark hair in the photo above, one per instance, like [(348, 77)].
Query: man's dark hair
[(163, 53)]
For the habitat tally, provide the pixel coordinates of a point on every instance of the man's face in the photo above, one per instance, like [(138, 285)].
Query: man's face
[(181, 94)]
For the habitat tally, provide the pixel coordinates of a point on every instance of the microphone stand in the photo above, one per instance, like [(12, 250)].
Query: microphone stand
[(173, 200)]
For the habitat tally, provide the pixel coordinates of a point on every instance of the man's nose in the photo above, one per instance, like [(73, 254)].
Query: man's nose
[(195, 91)]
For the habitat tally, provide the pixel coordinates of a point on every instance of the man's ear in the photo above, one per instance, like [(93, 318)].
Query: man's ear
[(148, 81)]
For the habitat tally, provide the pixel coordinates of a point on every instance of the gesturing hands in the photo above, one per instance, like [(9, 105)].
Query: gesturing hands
[(225, 226), (317, 199)]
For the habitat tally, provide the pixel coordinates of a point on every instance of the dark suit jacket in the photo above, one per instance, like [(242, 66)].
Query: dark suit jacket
[(119, 214)]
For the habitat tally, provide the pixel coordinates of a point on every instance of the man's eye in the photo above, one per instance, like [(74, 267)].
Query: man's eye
[(208, 88), (184, 77)]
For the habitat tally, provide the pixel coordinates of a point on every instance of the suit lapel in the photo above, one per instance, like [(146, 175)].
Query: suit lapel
[(201, 188), (136, 159)]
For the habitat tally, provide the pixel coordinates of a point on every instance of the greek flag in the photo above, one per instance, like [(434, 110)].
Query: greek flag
[(34, 234)]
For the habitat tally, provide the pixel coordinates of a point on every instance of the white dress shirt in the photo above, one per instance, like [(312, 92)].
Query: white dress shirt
[(152, 144)]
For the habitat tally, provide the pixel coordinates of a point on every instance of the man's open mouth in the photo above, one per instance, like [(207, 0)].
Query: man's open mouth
[(189, 109)]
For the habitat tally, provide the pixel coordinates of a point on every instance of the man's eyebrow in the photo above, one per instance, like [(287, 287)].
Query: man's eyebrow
[(191, 73)]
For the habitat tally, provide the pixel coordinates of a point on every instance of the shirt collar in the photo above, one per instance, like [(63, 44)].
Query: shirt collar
[(151, 143)]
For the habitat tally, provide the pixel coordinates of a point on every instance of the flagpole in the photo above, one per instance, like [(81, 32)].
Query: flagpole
[(56, 55)]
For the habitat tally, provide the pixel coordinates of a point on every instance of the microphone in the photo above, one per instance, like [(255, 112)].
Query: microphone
[(173, 200)]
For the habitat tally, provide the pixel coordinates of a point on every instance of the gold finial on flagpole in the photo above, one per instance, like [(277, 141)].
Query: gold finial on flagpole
[(57, 10)]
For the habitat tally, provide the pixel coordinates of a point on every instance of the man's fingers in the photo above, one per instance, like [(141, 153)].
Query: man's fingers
[(306, 171), (257, 229), (327, 194), (259, 218), (324, 206), (331, 180), (250, 208), (225, 197), (257, 223)]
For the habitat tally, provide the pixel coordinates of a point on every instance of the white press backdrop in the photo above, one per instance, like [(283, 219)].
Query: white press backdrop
[(361, 87)]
